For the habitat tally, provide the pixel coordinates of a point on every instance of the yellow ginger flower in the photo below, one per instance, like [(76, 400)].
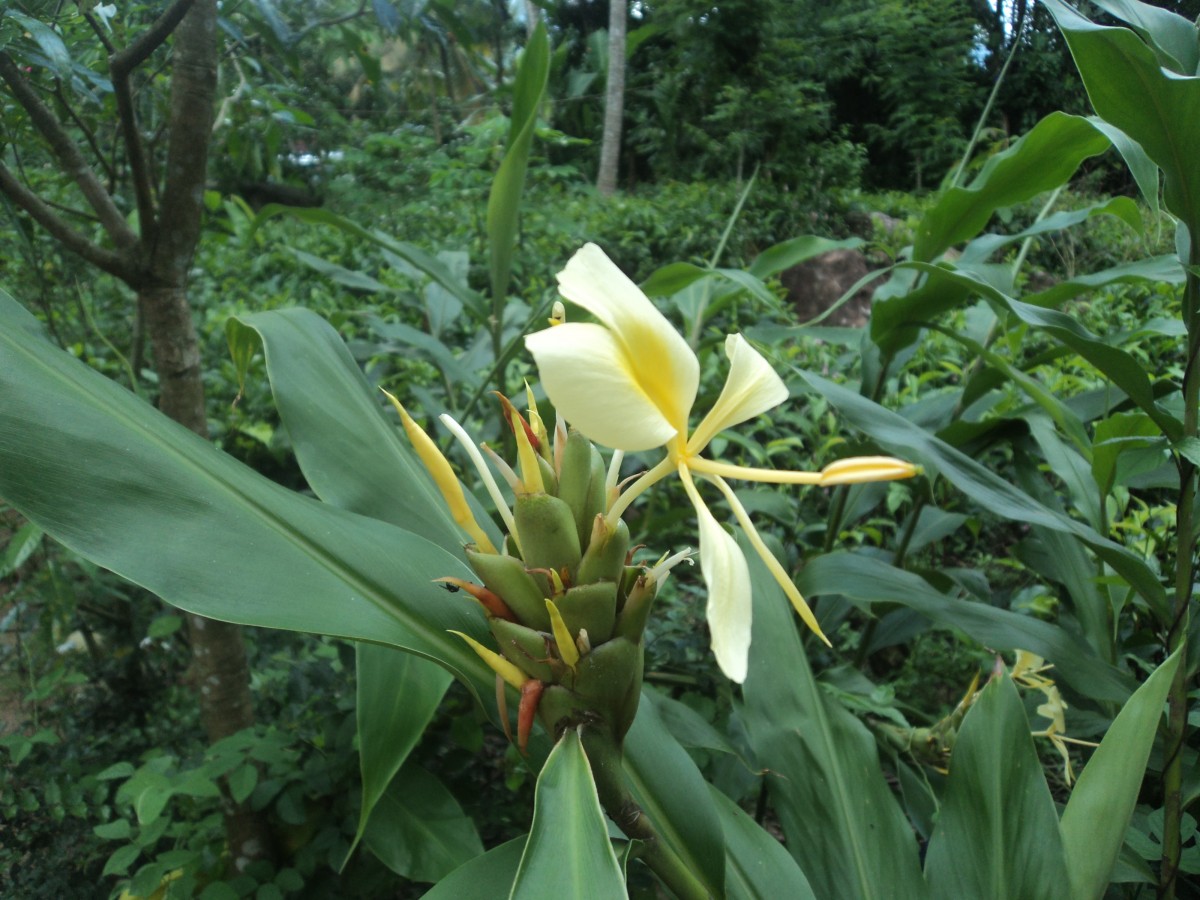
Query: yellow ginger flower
[(1027, 672), (629, 383)]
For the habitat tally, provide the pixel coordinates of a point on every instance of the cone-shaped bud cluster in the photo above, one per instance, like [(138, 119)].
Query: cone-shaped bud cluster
[(565, 605)]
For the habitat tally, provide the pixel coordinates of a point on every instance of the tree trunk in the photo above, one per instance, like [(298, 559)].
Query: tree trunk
[(614, 100), (220, 672)]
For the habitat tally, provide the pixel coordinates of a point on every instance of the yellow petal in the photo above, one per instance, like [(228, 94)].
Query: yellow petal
[(660, 360), (727, 577), (562, 636), (858, 469), (751, 388), (588, 378), (773, 565), (443, 476), (496, 662)]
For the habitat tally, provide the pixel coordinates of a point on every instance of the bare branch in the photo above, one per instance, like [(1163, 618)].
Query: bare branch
[(112, 262), (98, 30), (67, 152), (121, 64), (336, 20), (88, 135)]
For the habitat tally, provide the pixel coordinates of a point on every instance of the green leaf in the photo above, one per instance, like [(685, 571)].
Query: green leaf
[(568, 853), (673, 793), (241, 548), (902, 438), (996, 834), (1128, 87), (843, 825), (48, 41), (869, 580), (242, 781), (359, 281), (757, 867), (419, 259), (1098, 812), (121, 860), (1173, 37), (504, 201), (398, 694), (116, 830), (418, 830), (792, 252), (351, 453), (1042, 160), (484, 877)]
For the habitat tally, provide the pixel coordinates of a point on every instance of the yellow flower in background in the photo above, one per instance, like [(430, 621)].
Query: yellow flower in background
[(1027, 671), (629, 382)]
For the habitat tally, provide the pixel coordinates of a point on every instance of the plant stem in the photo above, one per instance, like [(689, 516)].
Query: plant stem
[(1177, 636), (604, 756)]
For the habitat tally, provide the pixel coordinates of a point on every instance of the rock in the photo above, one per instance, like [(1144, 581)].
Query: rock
[(814, 286)]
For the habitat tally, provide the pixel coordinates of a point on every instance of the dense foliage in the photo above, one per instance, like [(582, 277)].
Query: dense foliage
[(1031, 346)]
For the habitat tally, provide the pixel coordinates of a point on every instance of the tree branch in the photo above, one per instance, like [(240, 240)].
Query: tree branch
[(114, 263), (67, 152), (121, 64), (87, 132), (336, 20)]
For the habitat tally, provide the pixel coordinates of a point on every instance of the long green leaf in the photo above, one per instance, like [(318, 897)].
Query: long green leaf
[(504, 202), (121, 484), (352, 457), (568, 853), (842, 823), (869, 580), (398, 694), (1042, 160), (351, 454), (1173, 37), (418, 830), (757, 867), (997, 833), (436, 269), (1128, 87), (993, 493), (673, 793), (484, 877), (1094, 822)]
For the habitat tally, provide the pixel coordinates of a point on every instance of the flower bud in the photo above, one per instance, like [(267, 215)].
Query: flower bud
[(609, 680), (591, 608), (526, 649), (604, 559), (547, 531), (574, 480), (506, 576)]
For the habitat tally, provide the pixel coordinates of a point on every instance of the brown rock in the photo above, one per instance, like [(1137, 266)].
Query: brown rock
[(814, 286)]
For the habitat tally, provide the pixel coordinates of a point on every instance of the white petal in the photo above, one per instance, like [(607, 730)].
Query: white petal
[(660, 360), (586, 375), (751, 388), (729, 601)]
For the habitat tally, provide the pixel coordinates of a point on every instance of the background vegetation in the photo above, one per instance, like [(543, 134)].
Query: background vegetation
[(747, 125)]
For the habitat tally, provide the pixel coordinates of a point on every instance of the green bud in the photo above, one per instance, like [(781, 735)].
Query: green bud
[(604, 559), (575, 480), (547, 531), (592, 607), (549, 479), (597, 498), (506, 577), (608, 681), (632, 620), (558, 709), (524, 648)]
